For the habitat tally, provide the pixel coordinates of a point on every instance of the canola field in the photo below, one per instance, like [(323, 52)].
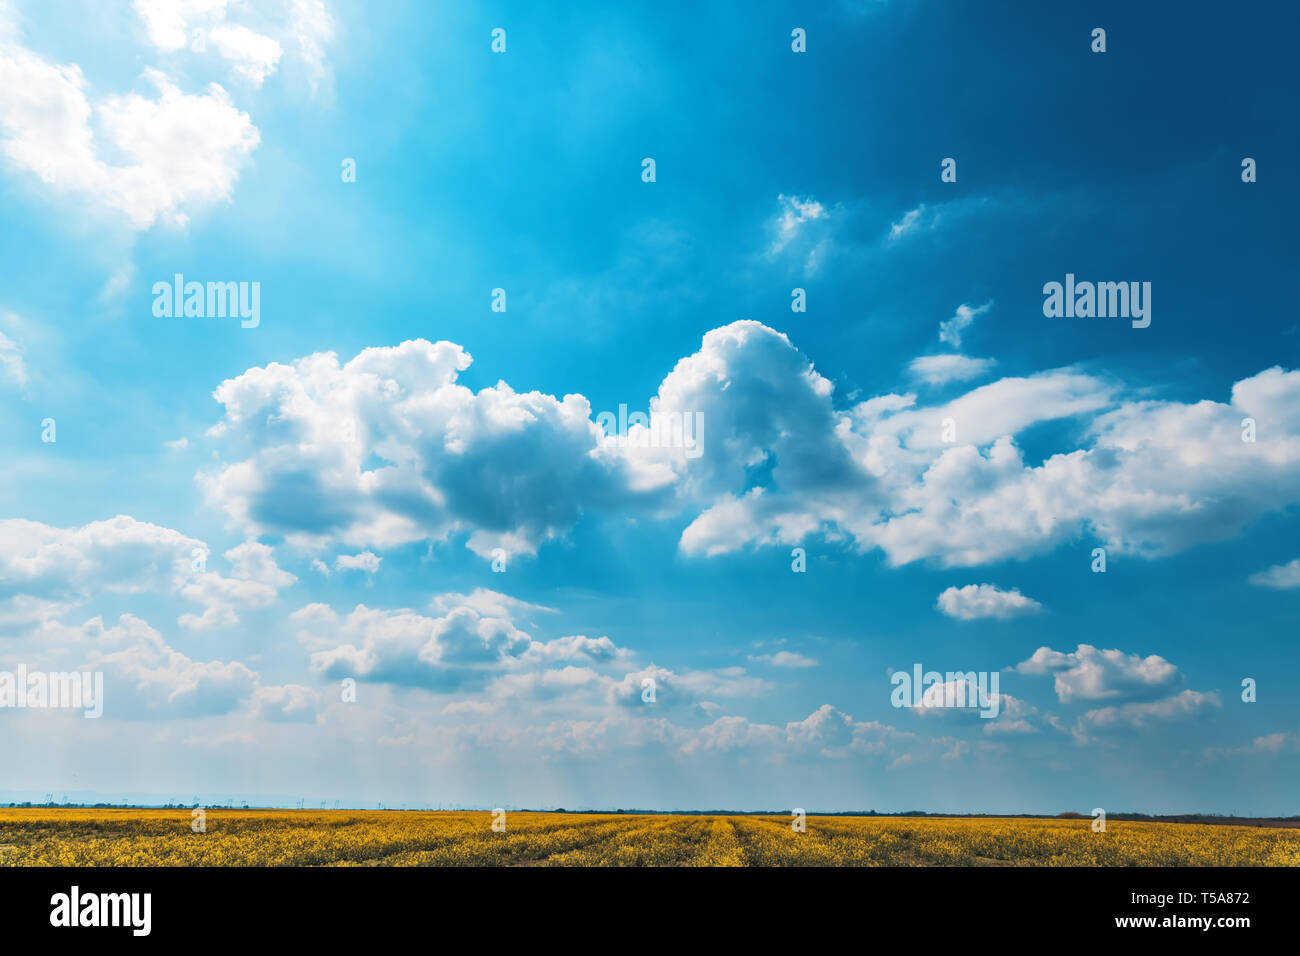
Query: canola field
[(133, 837)]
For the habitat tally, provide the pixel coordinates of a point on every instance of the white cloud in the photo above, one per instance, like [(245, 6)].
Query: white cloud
[(785, 659), (795, 211), (985, 600), (801, 231), (941, 369), (253, 55), (49, 127), (168, 23), (1134, 716), (121, 556), (951, 330), (1088, 673), (462, 649), (388, 449), (688, 688), (1280, 576), (285, 703), (366, 561), (1151, 478), (70, 566), (312, 27), (144, 676), (254, 561), (255, 582), (254, 44), (909, 223)]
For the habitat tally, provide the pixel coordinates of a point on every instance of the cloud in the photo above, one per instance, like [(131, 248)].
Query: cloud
[(252, 54), (1152, 478), (686, 688), (577, 647), (827, 733), (1088, 673), (942, 369), (285, 703), (254, 561), (1137, 716), (144, 676), (366, 561), (1278, 742), (388, 449), (801, 230), (794, 213), (950, 331), (785, 659), (305, 27), (462, 649), (312, 27), (985, 600), (1280, 576), (168, 22), (909, 223), (120, 556), (255, 582), (67, 567), (49, 127)]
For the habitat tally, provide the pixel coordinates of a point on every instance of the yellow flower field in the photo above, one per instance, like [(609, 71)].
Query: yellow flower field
[(129, 837)]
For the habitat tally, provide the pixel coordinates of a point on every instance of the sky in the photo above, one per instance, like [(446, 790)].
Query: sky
[(395, 534)]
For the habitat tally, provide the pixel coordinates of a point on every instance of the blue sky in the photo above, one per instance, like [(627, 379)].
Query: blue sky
[(351, 465)]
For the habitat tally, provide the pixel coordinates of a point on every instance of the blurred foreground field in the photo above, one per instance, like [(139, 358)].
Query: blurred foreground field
[(41, 836)]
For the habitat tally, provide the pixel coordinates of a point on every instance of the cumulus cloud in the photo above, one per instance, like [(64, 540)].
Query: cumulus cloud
[(685, 688), (1153, 478), (985, 600), (1088, 673), (827, 733), (120, 555), (49, 127), (577, 647), (388, 448), (61, 568), (144, 676), (366, 561), (462, 649), (255, 581)]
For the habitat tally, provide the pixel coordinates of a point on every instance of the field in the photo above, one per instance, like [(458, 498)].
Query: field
[(132, 837)]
